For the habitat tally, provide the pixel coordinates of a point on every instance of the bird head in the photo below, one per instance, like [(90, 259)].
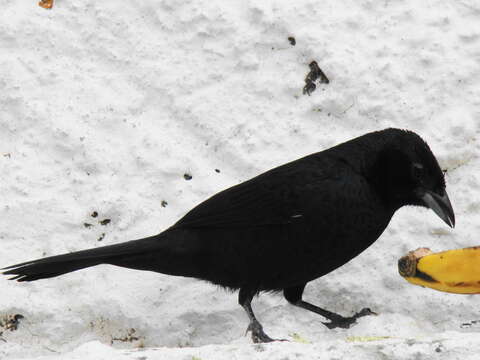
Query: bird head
[(409, 174)]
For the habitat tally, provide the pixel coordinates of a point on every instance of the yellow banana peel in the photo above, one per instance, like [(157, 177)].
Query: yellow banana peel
[(454, 271)]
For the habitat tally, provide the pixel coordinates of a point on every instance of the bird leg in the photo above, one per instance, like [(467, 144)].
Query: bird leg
[(336, 320), (258, 335), (294, 296)]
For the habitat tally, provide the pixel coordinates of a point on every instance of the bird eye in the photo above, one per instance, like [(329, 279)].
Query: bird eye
[(417, 171)]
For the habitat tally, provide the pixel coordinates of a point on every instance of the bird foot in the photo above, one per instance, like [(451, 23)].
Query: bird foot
[(346, 322), (258, 335)]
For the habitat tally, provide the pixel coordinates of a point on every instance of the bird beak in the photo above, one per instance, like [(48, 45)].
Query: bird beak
[(441, 205)]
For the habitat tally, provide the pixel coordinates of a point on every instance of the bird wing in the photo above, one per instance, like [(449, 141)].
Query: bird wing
[(273, 198)]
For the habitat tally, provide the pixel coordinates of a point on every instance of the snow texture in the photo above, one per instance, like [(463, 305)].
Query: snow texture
[(110, 106)]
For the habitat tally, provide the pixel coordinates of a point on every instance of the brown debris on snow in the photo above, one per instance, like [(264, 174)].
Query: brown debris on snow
[(46, 4)]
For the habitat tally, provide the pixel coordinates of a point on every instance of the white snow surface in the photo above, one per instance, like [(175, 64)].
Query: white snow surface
[(105, 105)]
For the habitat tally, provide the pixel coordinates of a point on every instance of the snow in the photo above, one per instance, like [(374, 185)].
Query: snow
[(106, 105)]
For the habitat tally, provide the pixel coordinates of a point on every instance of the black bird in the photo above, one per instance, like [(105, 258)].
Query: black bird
[(285, 227)]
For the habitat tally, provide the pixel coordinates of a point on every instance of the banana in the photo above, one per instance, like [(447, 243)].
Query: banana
[(454, 271)]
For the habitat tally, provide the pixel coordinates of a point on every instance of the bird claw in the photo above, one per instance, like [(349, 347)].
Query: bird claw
[(346, 322), (365, 312), (258, 335)]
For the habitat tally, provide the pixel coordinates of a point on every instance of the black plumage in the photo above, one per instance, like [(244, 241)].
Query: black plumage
[(285, 227)]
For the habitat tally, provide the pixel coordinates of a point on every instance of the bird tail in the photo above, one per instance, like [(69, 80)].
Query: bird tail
[(61, 264)]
